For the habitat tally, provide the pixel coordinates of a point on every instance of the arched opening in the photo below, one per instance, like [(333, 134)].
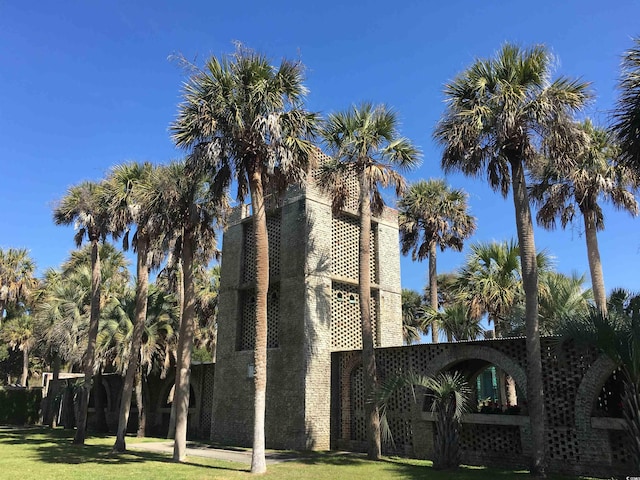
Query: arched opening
[(609, 400), (493, 389)]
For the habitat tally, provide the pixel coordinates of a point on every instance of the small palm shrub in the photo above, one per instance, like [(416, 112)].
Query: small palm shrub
[(448, 395)]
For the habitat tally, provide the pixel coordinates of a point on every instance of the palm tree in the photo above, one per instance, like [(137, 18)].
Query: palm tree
[(616, 335), (84, 205), (127, 208), (243, 120), (627, 113), (596, 175), (365, 143), (433, 215), (18, 333), (502, 114), (413, 312), (63, 305), (456, 322), (16, 277), (62, 314), (181, 201), (490, 282), (563, 297), (448, 395)]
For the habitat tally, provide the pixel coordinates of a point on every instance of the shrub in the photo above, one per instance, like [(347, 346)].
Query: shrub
[(20, 406)]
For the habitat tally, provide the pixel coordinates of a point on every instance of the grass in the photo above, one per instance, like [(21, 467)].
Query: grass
[(40, 454)]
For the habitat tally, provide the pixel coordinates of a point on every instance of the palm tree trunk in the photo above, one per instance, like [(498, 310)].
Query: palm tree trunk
[(142, 294), (258, 461), (529, 265), (25, 366), (595, 264), (433, 289), (140, 401), (185, 344), (368, 354), (88, 360), (54, 387), (180, 292)]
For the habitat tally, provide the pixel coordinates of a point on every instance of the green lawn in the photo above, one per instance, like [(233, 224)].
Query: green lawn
[(41, 454)]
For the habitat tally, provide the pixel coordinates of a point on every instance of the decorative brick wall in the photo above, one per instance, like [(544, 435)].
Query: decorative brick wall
[(577, 442)]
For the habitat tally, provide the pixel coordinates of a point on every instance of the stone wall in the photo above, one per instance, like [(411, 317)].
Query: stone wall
[(578, 442)]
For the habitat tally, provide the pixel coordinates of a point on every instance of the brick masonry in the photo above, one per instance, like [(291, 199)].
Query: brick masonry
[(298, 379), (578, 441)]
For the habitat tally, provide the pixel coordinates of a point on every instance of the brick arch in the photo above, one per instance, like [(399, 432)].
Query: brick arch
[(588, 390), (345, 394), (491, 355)]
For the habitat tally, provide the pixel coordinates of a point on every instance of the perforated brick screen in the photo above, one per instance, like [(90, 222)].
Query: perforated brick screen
[(273, 232), (491, 438), (346, 329), (345, 245), (248, 319), (567, 372), (207, 400)]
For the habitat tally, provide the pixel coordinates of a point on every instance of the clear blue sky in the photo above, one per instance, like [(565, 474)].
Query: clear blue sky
[(86, 85)]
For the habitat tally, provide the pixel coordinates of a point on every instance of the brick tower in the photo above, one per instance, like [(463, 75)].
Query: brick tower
[(313, 310)]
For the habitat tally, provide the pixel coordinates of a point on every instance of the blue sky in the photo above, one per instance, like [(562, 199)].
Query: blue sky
[(87, 85)]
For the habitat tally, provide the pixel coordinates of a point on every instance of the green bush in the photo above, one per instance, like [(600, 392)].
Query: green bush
[(20, 406)]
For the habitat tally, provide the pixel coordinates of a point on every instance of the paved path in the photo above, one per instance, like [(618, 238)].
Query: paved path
[(203, 450)]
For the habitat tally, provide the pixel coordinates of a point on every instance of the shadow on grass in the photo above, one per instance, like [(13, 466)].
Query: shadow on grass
[(408, 468), (55, 447), (222, 446)]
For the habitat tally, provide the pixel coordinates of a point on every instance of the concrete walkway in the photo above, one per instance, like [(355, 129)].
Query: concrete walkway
[(203, 450)]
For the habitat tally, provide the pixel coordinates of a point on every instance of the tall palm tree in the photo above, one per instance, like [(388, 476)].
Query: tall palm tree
[(561, 190), (627, 113), (181, 201), (16, 277), (365, 143), (128, 209), (502, 114), (433, 215), (84, 206), (243, 119)]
